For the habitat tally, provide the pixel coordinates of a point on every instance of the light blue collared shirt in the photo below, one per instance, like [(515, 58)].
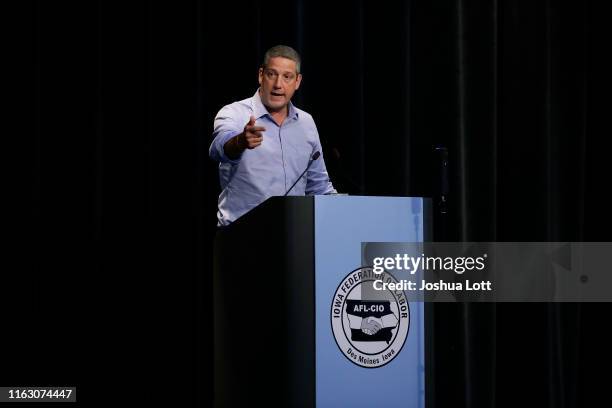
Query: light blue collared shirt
[(271, 168)]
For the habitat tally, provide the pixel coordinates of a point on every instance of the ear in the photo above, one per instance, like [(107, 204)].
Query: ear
[(298, 81), (260, 76)]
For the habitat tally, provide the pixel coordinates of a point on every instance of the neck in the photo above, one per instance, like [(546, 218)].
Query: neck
[(280, 115)]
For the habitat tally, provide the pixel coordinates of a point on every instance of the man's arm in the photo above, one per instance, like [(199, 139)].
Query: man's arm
[(317, 179), (318, 182), (229, 140)]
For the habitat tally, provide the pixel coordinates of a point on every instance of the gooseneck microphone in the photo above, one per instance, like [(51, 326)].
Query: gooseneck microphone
[(315, 156)]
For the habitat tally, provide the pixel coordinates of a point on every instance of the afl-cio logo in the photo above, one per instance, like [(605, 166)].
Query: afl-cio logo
[(370, 326)]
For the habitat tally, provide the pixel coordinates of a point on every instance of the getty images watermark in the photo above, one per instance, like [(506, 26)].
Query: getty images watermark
[(490, 271), (414, 264)]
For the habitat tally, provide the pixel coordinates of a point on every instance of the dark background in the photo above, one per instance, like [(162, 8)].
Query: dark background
[(111, 285)]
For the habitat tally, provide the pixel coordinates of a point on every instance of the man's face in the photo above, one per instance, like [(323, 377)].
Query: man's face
[(278, 81)]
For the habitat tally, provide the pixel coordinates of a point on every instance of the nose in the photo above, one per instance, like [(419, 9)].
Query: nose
[(278, 82)]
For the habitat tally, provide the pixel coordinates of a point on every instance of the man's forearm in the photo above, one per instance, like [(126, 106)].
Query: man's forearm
[(234, 147)]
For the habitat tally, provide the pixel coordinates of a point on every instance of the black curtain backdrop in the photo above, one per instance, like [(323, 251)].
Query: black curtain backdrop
[(112, 288)]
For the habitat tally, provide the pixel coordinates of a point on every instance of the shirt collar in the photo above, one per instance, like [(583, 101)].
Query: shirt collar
[(260, 110)]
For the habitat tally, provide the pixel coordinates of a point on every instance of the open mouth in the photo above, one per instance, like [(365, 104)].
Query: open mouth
[(276, 94)]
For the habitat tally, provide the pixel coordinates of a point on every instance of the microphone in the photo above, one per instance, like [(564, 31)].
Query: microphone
[(315, 156)]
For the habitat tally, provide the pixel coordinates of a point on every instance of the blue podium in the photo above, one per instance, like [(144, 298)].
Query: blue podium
[(295, 320)]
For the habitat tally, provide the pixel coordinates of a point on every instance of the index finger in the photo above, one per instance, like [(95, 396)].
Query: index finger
[(256, 128)]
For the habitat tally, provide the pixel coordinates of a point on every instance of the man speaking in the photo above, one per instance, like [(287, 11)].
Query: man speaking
[(266, 146)]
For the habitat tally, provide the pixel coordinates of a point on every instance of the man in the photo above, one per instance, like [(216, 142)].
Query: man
[(264, 143)]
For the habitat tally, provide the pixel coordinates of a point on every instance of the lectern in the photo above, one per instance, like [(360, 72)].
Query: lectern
[(292, 322)]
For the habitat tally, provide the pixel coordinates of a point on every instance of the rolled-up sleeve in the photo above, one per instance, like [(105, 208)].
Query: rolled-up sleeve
[(225, 127)]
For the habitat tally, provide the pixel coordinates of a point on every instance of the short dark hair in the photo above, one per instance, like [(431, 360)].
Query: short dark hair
[(283, 51)]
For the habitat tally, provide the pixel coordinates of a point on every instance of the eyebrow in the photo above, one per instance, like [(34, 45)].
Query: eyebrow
[(276, 72)]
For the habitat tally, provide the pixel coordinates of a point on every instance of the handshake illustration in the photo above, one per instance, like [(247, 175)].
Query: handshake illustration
[(371, 325)]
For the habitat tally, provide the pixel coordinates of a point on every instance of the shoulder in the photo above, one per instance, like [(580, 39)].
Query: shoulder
[(235, 114), (304, 117), (238, 108)]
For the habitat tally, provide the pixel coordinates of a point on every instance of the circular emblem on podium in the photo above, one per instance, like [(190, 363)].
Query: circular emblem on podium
[(370, 324)]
